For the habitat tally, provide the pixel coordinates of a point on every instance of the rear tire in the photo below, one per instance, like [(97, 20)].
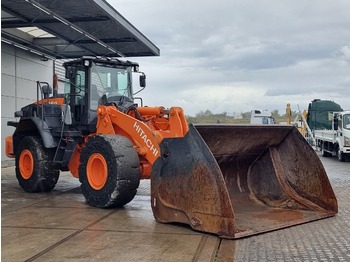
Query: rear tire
[(109, 171), (324, 153), (35, 170)]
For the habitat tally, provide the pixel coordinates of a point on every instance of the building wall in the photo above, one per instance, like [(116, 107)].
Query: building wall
[(20, 70)]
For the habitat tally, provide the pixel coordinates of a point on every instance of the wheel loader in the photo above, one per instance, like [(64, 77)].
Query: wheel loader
[(230, 180)]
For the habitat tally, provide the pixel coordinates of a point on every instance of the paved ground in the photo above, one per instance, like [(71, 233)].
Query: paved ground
[(60, 226)]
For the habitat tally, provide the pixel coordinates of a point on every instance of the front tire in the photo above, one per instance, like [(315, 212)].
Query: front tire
[(109, 171), (35, 170)]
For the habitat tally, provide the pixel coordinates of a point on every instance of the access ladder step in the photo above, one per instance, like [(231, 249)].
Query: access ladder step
[(65, 151)]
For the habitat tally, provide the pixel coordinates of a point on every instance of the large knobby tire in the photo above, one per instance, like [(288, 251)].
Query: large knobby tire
[(109, 171), (35, 170)]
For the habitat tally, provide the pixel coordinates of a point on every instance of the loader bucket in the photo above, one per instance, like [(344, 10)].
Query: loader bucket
[(237, 181)]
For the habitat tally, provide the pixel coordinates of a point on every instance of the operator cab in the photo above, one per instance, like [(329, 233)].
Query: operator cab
[(98, 81)]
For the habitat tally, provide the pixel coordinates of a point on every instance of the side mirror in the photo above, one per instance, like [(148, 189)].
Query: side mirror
[(143, 80)]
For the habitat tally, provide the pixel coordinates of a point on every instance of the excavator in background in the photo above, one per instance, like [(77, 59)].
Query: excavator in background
[(301, 123), (230, 180)]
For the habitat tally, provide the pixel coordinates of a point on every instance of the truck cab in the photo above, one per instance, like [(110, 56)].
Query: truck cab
[(341, 125), (336, 141), (261, 117)]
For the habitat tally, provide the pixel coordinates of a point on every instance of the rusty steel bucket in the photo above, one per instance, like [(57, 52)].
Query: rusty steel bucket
[(237, 181)]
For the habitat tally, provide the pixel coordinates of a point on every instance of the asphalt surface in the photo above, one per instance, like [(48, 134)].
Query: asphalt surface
[(60, 226)]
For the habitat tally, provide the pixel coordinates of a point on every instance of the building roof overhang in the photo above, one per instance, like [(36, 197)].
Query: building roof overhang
[(69, 29)]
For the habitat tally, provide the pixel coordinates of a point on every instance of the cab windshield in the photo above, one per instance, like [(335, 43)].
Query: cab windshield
[(113, 82)]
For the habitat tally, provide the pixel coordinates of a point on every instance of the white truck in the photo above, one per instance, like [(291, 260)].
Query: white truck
[(335, 142), (261, 117)]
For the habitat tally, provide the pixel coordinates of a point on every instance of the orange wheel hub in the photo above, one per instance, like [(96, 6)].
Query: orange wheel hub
[(97, 171), (26, 164)]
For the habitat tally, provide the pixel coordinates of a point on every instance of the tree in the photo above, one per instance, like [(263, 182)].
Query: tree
[(275, 113), (205, 113), (246, 115)]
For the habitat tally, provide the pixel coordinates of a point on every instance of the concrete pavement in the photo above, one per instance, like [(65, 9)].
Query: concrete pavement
[(60, 226)]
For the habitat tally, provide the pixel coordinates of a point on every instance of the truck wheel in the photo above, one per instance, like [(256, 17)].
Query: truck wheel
[(324, 153), (35, 170), (341, 156), (109, 171)]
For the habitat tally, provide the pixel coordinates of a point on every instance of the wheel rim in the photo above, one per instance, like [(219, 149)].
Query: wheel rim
[(26, 164), (97, 171)]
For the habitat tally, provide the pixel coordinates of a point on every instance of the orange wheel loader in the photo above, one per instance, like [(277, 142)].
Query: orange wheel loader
[(232, 181)]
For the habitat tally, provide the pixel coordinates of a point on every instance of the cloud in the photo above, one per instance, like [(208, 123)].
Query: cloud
[(345, 53), (240, 55)]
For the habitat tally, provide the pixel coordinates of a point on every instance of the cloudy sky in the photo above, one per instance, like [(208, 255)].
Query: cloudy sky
[(238, 55)]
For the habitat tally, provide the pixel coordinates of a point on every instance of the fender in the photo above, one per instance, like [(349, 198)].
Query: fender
[(35, 124)]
